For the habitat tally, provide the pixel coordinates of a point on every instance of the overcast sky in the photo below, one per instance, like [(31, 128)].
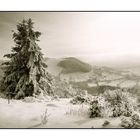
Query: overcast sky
[(97, 36)]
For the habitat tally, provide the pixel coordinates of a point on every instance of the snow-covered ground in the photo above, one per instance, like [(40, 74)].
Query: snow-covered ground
[(60, 114)]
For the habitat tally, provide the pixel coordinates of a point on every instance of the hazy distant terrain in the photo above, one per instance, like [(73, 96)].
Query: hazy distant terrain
[(86, 75)]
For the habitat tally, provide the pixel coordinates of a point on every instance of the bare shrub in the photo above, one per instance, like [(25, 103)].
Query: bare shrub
[(78, 110), (44, 117)]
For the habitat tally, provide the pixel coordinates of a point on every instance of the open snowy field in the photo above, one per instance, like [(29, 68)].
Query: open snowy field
[(59, 114)]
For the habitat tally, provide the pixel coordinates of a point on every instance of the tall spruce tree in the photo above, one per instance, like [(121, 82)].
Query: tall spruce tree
[(25, 73)]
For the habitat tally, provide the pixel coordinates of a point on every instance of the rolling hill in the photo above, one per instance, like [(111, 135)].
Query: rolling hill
[(74, 65), (67, 65)]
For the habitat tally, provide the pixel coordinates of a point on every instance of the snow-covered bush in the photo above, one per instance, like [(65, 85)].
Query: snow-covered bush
[(95, 109), (131, 122), (126, 122), (113, 104), (99, 107), (81, 98), (136, 121), (121, 103), (55, 97), (106, 123), (29, 99)]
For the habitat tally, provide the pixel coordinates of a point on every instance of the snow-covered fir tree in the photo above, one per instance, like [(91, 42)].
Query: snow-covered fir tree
[(25, 73)]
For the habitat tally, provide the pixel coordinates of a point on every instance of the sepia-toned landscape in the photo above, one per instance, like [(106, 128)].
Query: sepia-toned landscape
[(70, 70)]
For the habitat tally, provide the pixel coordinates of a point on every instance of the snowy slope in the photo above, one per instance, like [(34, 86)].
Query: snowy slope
[(61, 114)]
